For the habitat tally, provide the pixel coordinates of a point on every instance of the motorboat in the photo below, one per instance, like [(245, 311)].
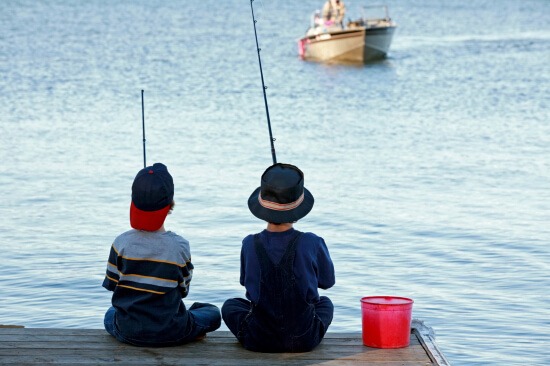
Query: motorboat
[(362, 40)]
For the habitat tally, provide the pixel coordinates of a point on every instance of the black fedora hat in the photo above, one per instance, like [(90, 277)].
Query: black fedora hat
[(281, 197)]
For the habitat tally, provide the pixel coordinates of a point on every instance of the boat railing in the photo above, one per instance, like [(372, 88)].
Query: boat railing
[(371, 21), (367, 20), (369, 8)]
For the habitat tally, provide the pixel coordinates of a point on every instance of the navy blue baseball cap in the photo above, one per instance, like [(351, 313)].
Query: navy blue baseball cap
[(152, 197)]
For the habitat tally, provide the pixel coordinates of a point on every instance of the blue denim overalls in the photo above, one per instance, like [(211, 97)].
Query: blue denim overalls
[(282, 320)]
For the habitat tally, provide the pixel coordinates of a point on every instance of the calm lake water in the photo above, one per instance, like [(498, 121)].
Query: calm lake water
[(430, 169)]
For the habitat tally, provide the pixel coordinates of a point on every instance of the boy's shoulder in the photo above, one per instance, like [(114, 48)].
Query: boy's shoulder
[(313, 241), (179, 240), (165, 246), (126, 235), (248, 240), (173, 235), (311, 236)]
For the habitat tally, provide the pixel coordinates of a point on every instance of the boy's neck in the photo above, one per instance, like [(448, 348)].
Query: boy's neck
[(161, 230), (279, 228)]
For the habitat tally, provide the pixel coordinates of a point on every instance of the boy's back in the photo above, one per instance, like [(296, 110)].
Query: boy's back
[(312, 265), (149, 271), (143, 265), (281, 269)]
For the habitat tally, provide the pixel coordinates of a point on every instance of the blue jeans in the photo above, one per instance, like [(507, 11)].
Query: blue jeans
[(238, 317), (204, 318)]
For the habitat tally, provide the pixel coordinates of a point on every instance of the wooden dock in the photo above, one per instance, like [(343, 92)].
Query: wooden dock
[(42, 346)]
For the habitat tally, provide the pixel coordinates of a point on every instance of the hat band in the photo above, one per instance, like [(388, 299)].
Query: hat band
[(280, 206)]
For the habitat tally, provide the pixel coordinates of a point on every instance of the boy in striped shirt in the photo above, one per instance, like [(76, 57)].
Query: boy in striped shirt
[(149, 271)]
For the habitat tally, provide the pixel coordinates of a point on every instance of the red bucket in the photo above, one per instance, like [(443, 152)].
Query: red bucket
[(386, 321)]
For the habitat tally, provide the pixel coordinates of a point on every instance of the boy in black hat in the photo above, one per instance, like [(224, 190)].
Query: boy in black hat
[(149, 271), (282, 269)]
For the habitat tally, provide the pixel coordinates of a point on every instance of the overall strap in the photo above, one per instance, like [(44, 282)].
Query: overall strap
[(263, 257), (261, 253), (291, 249)]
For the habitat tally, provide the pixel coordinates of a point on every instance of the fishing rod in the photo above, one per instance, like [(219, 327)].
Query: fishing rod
[(271, 139), (143, 127)]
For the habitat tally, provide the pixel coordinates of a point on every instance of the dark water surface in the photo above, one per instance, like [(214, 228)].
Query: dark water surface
[(430, 169)]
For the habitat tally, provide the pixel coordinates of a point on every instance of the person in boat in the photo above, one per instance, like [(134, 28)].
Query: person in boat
[(281, 270), (149, 271), (334, 12), (317, 19)]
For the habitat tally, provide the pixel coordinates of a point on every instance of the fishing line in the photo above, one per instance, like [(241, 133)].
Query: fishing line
[(271, 139), (143, 128)]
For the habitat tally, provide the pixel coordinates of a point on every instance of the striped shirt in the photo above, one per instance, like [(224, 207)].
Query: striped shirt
[(149, 273)]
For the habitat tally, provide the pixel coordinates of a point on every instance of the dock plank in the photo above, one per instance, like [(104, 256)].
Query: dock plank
[(43, 346)]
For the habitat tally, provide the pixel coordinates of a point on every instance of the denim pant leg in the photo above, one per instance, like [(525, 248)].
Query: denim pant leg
[(206, 318), (109, 321), (234, 312), (324, 310), (110, 327)]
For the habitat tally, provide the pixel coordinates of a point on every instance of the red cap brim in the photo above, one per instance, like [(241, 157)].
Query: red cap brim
[(147, 220)]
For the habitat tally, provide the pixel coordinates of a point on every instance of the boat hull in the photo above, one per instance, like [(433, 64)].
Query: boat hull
[(353, 46)]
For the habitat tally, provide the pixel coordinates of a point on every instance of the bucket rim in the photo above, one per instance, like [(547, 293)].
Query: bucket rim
[(371, 300)]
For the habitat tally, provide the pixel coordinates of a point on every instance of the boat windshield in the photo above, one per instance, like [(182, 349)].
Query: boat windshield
[(374, 14)]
